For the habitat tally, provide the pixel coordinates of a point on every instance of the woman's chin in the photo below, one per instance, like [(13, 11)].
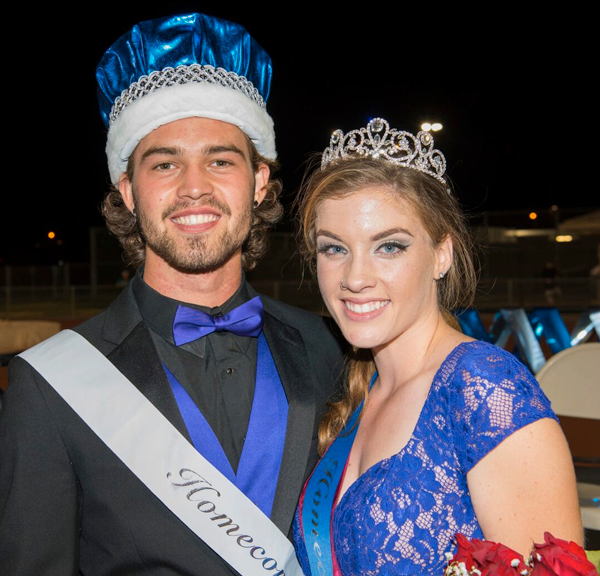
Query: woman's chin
[(360, 339)]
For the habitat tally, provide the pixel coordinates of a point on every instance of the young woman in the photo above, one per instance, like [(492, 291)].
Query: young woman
[(437, 433)]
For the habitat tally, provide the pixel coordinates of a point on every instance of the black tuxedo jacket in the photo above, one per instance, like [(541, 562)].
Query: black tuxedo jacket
[(68, 505)]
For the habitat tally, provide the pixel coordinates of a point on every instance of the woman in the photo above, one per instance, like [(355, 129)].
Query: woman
[(437, 433)]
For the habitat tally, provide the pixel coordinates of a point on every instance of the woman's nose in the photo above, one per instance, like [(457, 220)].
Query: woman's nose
[(359, 275)]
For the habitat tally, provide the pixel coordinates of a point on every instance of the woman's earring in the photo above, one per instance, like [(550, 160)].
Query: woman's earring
[(442, 274), (256, 203)]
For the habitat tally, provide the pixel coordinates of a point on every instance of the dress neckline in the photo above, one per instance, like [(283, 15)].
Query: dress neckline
[(438, 374)]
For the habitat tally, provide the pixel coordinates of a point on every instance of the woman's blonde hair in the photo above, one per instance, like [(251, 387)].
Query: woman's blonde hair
[(441, 216)]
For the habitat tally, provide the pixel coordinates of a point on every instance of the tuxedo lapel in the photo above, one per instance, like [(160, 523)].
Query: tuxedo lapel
[(289, 354), (136, 358), (134, 355)]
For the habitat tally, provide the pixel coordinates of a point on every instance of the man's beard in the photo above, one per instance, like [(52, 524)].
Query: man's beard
[(198, 253)]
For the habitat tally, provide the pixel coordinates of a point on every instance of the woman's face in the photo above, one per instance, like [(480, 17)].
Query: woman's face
[(377, 267)]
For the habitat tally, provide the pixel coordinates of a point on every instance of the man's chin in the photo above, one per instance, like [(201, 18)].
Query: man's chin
[(192, 261), (197, 267)]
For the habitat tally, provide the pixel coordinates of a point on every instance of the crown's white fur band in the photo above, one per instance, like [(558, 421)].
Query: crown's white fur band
[(172, 103)]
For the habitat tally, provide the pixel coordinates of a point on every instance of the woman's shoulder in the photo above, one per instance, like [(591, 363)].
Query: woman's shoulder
[(481, 349), (490, 394), (477, 374), (487, 361)]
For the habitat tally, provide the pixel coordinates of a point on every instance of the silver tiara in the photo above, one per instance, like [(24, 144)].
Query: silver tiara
[(396, 146)]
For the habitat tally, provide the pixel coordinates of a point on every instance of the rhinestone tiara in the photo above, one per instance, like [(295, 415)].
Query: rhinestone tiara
[(378, 140)]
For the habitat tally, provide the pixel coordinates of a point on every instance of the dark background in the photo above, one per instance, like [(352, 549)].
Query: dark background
[(512, 88)]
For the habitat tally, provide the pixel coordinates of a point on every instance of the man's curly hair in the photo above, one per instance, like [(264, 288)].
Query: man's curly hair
[(125, 226)]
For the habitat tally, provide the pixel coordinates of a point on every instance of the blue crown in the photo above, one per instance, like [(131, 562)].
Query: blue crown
[(170, 68)]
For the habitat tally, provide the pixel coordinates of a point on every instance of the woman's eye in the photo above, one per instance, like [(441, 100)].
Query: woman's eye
[(392, 248), (331, 249)]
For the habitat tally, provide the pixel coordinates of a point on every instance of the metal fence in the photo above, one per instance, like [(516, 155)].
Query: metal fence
[(570, 293), (84, 301), (55, 301)]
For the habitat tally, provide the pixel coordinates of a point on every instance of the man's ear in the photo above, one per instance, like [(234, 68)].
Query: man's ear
[(261, 179), (126, 190)]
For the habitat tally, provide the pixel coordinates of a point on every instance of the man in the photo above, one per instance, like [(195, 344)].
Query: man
[(184, 453)]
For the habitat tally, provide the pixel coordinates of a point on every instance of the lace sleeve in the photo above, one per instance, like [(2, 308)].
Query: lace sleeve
[(495, 396)]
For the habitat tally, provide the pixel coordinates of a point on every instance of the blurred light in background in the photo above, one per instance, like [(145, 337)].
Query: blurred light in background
[(428, 127)]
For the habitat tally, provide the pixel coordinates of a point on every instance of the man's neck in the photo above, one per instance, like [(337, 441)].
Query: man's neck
[(208, 289)]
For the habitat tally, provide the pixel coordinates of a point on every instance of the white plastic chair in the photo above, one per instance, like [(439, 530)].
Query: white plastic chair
[(571, 380)]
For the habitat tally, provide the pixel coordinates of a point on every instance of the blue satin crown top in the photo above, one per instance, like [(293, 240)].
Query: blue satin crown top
[(180, 40)]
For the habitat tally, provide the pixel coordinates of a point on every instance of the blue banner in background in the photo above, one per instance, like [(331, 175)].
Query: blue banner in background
[(472, 326), (521, 333), (548, 323), (588, 322)]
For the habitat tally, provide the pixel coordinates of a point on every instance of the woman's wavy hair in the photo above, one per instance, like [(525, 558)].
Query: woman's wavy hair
[(125, 226), (440, 214)]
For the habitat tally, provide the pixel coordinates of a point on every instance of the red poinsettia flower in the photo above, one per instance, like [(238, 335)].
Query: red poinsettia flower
[(559, 557)]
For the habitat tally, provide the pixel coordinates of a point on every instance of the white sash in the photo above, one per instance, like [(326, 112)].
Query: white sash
[(192, 488)]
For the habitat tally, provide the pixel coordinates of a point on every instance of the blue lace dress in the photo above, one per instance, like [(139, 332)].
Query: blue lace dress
[(401, 515)]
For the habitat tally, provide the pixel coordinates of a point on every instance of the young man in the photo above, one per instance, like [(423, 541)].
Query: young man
[(179, 441)]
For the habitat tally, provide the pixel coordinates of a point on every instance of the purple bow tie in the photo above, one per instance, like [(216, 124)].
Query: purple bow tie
[(190, 324)]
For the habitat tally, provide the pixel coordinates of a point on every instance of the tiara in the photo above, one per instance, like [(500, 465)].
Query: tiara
[(396, 146)]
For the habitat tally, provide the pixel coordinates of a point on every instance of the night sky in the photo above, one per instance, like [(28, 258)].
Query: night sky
[(513, 90)]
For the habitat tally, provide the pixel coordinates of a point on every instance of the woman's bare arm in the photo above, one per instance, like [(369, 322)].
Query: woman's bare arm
[(525, 487)]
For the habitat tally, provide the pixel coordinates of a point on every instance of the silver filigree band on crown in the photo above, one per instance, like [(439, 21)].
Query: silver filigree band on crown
[(184, 75), (378, 140)]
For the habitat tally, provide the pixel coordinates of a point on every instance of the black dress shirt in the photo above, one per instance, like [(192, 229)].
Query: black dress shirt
[(218, 371)]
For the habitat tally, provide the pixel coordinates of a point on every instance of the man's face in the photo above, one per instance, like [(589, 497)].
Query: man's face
[(193, 189)]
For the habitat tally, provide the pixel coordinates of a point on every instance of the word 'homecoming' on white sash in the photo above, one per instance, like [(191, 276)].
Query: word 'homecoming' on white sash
[(189, 478), (119, 414)]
